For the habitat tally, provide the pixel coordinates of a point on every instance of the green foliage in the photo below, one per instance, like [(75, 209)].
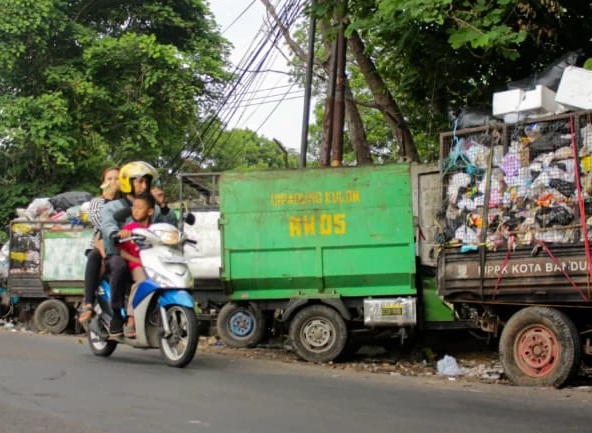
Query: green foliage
[(477, 24), (243, 149), (436, 55), (86, 84)]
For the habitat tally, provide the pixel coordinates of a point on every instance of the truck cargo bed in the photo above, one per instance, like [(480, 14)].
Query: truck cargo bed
[(527, 274)]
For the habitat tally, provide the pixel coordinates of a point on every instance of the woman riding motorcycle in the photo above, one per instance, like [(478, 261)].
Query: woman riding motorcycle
[(134, 178)]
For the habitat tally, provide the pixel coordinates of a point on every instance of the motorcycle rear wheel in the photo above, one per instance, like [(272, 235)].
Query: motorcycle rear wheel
[(99, 345), (180, 346)]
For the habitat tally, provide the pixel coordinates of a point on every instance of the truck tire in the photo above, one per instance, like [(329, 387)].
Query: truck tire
[(318, 333), (52, 315), (540, 346), (240, 325)]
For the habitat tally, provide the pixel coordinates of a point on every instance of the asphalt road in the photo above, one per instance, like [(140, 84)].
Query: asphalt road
[(53, 384)]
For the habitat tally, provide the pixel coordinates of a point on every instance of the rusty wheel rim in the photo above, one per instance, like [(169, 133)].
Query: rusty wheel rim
[(537, 351)]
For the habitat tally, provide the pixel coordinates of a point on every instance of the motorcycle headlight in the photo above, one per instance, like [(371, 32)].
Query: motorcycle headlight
[(169, 237)]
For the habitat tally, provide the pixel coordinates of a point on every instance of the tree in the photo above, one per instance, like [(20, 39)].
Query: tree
[(440, 53), (242, 149), (429, 56), (84, 84)]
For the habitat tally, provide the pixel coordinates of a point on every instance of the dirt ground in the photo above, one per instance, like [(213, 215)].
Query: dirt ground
[(475, 359), (467, 358)]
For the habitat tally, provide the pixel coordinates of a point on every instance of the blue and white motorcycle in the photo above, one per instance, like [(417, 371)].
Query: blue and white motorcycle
[(163, 308)]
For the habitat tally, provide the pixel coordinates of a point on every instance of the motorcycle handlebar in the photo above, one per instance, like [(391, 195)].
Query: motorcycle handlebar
[(118, 240)]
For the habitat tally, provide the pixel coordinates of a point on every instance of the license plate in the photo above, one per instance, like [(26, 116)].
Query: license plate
[(392, 310)]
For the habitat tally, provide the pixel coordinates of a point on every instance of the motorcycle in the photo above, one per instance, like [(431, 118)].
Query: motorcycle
[(163, 308)]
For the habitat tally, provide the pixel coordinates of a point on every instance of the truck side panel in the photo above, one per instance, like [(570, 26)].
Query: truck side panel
[(518, 276), (333, 232)]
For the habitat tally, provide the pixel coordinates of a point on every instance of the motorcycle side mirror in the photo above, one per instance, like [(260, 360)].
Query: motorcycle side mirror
[(190, 219), (122, 215)]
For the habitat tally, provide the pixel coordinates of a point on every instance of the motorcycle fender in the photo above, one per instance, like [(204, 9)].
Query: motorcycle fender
[(176, 297)]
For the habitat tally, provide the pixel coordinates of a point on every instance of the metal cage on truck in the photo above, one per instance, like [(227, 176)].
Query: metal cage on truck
[(515, 249), (46, 270)]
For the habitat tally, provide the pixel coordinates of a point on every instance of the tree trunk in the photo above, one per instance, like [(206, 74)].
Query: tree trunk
[(384, 100), (354, 120), (356, 128)]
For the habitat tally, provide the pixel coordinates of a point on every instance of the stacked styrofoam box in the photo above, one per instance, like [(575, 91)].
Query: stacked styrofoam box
[(507, 102), (575, 88), (517, 104)]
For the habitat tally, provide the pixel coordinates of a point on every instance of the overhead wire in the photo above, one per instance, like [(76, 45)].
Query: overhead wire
[(289, 13), (261, 58), (274, 34), (199, 135), (248, 81)]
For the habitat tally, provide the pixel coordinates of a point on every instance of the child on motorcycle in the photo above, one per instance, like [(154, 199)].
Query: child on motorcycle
[(134, 178), (142, 212)]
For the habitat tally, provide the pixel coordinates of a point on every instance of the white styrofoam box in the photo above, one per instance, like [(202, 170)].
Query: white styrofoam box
[(538, 102), (575, 88), (507, 101), (518, 117)]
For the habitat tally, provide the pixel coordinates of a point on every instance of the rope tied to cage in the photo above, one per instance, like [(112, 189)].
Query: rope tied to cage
[(581, 204), (457, 154)]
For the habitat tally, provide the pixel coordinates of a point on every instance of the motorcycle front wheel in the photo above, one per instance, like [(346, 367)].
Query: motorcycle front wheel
[(180, 346)]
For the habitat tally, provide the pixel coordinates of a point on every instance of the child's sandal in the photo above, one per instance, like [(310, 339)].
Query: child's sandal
[(85, 314)]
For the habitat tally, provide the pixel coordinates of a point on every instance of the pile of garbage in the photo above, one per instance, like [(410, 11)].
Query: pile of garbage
[(23, 253), (519, 183), (529, 178), (69, 206)]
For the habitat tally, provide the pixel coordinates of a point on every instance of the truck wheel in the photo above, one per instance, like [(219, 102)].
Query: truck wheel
[(52, 315), (318, 333), (240, 325), (540, 347)]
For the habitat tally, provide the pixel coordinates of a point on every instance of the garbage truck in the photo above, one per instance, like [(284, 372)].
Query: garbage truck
[(515, 254), (324, 255), (327, 256), (45, 278)]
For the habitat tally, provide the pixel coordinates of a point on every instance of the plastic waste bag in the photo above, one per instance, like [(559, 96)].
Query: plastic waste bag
[(457, 181), (69, 199), (564, 187), (511, 164), (550, 76), (550, 216), (39, 208), (448, 366), (466, 235), (470, 117), (4, 261)]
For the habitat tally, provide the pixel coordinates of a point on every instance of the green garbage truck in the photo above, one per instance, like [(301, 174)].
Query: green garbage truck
[(325, 255)]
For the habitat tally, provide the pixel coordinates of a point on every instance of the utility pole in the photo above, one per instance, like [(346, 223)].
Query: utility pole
[(339, 101), (307, 88), (328, 117)]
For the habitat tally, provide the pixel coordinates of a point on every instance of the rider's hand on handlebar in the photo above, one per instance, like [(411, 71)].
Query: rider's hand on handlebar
[(124, 234)]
